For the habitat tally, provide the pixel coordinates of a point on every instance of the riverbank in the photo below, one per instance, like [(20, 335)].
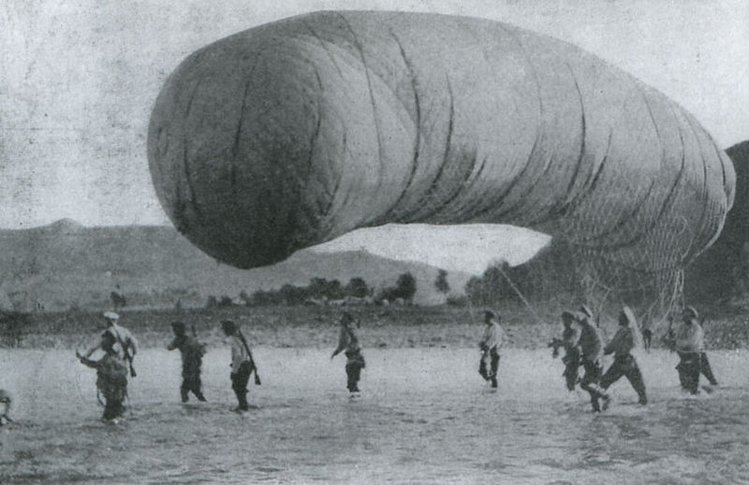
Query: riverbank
[(315, 327)]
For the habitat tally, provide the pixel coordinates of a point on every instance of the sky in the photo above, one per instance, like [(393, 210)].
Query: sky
[(79, 79), (471, 249)]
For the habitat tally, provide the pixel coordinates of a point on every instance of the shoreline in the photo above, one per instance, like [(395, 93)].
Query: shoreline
[(316, 327)]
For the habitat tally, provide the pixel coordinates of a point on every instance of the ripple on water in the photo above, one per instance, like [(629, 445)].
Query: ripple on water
[(415, 427)]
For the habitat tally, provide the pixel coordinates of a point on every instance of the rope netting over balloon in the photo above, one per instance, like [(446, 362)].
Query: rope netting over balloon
[(294, 133)]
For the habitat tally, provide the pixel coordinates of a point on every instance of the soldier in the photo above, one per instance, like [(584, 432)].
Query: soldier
[(689, 341), (490, 344), (348, 341), (627, 337), (192, 353), (569, 341), (126, 345), (111, 376), (242, 364), (591, 353), (705, 367)]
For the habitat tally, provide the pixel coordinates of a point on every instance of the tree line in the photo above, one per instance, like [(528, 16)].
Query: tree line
[(321, 290)]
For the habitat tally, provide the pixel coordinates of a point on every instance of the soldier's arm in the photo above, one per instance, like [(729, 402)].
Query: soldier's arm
[(612, 346), (342, 342), (486, 338), (88, 362), (94, 348)]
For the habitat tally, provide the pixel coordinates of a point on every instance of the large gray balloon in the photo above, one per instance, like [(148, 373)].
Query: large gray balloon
[(296, 132)]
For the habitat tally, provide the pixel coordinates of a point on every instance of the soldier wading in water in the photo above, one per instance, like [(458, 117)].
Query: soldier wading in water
[(569, 341), (490, 344), (192, 353), (119, 347), (111, 376), (591, 353), (348, 341), (689, 345), (627, 337), (242, 364)]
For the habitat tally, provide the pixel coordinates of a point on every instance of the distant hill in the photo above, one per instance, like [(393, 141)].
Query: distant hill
[(66, 264)]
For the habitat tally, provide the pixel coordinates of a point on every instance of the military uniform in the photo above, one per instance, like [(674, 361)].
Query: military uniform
[(241, 369), (591, 351), (624, 364), (571, 359), (689, 347), (349, 343), (111, 380), (490, 344), (192, 353)]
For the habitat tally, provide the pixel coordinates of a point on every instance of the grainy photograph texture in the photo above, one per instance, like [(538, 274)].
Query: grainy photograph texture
[(374, 241)]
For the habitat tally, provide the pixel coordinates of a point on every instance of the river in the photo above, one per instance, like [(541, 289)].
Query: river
[(425, 416)]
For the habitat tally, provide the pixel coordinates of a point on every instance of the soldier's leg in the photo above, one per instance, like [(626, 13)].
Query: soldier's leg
[(682, 375), (483, 367), (109, 410), (634, 376), (706, 370), (198, 388), (684, 372), (494, 366), (613, 374), (112, 408), (589, 383), (239, 385), (570, 377), (353, 373), (184, 389), (192, 384), (689, 372)]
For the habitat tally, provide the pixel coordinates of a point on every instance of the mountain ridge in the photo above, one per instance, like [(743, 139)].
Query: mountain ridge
[(65, 264)]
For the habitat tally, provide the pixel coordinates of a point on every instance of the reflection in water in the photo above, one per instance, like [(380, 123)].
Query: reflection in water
[(434, 422)]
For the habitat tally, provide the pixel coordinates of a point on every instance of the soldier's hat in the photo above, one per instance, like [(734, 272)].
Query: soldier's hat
[(346, 318), (492, 315), (690, 312), (229, 326), (111, 316), (629, 315), (178, 325), (568, 316)]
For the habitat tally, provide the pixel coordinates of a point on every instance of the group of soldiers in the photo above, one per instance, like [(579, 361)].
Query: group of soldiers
[(581, 340), (119, 347), (583, 346)]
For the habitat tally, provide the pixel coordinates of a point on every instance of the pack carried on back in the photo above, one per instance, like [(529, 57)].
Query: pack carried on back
[(125, 348)]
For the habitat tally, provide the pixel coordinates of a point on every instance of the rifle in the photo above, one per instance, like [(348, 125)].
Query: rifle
[(129, 359), (249, 354)]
